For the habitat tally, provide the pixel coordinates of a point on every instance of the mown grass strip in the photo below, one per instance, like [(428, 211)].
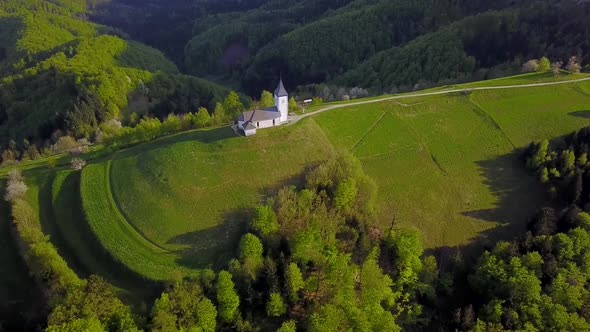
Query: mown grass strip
[(87, 255), (122, 241)]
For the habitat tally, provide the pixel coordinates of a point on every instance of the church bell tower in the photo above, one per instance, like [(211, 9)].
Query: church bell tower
[(282, 101)]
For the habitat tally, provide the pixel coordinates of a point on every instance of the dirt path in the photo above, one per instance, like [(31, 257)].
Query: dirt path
[(296, 118)]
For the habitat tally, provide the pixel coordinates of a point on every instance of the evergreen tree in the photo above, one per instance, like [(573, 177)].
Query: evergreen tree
[(275, 306), (227, 298)]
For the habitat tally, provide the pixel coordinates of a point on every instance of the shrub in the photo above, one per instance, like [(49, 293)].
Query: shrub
[(65, 144), (573, 66), (543, 65), (16, 187), (556, 68), (77, 164), (530, 66)]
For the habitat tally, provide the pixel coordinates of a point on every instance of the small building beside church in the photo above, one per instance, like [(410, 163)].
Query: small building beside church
[(267, 117)]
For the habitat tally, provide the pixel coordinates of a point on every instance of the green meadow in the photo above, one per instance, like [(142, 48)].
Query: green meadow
[(448, 165)]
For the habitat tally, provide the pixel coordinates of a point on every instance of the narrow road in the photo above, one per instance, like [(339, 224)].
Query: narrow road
[(295, 118)]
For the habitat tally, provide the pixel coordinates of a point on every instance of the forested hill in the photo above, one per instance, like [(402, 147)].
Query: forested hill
[(384, 44), (62, 74)]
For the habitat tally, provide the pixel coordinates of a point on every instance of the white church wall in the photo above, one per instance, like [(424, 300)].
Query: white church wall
[(266, 123)]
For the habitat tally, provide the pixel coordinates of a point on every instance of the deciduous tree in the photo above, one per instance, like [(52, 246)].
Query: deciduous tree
[(543, 65)]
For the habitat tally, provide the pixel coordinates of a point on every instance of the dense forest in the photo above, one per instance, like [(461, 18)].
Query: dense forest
[(61, 74), (378, 45), (384, 45), (68, 66)]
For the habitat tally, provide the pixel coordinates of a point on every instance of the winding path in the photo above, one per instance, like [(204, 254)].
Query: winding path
[(296, 118)]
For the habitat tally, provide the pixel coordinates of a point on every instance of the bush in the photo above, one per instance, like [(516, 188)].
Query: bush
[(65, 144), (16, 187), (573, 66), (530, 66), (77, 164)]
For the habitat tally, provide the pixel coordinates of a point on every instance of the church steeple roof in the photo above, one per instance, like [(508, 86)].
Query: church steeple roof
[(280, 91)]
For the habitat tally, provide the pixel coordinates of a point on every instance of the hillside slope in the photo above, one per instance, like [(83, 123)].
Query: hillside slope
[(446, 164), (60, 72), (384, 44)]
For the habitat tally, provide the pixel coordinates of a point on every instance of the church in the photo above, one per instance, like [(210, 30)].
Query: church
[(267, 117)]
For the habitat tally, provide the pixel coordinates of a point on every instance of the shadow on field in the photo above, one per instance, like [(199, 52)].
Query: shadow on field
[(580, 114), (518, 196), (216, 246), (207, 136), (213, 247), (62, 217)]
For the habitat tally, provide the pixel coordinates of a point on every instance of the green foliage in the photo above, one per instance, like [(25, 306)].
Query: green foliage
[(81, 324), (251, 250), (544, 65), (510, 283), (345, 194), (294, 280), (293, 107), (94, 300), (265, 221), (63, 73), (276, 305), (42, 258), (219, 115), (184, 307), (381, 44), (232, 105), (266, 99), (288, 326), (202, 118), (563, 168), (227, 299)]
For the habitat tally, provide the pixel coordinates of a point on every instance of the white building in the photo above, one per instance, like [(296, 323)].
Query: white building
[(273, 116)]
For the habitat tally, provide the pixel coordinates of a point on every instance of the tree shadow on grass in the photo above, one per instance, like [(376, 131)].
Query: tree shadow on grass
[(214, 247), (518, 195), (581, 114), (207, 136)]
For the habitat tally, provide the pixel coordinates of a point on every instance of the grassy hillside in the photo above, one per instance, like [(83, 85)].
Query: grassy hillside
[(445, 164), (189, 194)]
